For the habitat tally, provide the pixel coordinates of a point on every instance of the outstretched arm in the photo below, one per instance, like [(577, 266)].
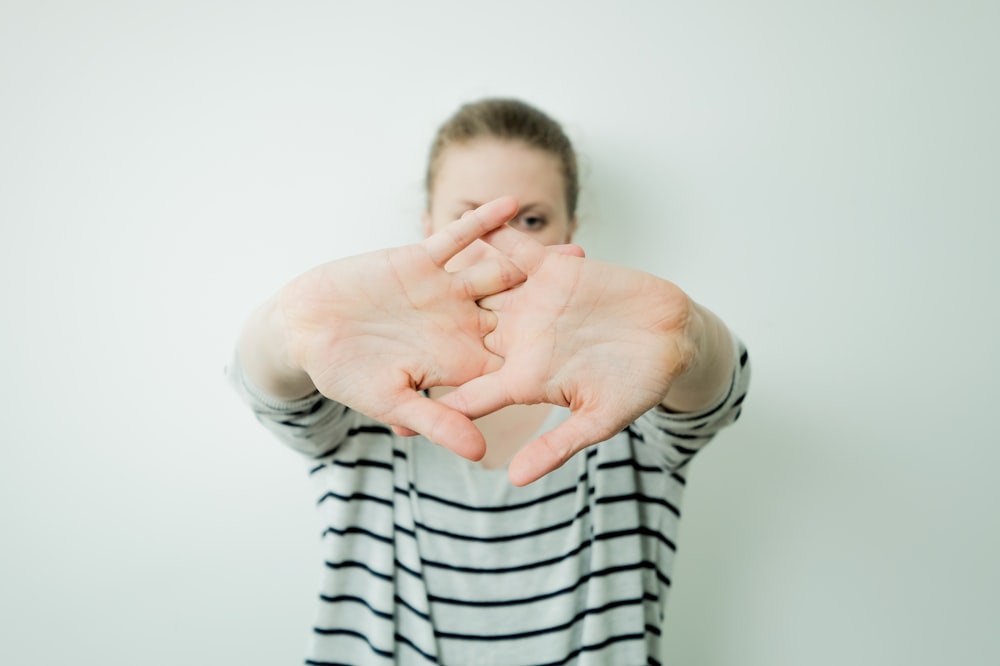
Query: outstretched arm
[(372, 331)]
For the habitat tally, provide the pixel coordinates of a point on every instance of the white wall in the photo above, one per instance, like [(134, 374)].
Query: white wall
[(822, 174)]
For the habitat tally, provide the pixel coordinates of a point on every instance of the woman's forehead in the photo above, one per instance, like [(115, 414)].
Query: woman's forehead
[(481, 170)]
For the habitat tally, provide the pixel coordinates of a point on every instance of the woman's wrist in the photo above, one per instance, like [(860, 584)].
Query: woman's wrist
[(708, 376), (265, 355)]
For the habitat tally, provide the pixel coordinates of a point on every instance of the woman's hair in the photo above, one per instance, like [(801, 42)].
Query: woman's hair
[(513, 120)]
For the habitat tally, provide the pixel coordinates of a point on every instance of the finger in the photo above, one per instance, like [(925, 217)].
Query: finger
[(497, 302), (493, 341), (569, 249), (551, 451), (480, 396), (404, 432), (492, 363), (526, 253), (489, 276), (473, 224), (440, 424), (488, 321)]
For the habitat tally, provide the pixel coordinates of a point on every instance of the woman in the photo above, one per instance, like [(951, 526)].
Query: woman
[(550, 537)]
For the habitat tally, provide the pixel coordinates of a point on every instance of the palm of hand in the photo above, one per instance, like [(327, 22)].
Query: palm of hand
[(603, 340), (372, 331)]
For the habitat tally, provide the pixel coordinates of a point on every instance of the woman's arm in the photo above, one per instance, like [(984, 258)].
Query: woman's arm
[(373, 330)]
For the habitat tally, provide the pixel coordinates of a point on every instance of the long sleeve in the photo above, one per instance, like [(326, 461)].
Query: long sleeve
[(313, 425), (680, 436)]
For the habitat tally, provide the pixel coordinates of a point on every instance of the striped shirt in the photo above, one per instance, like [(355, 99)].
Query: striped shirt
[(431, 559)]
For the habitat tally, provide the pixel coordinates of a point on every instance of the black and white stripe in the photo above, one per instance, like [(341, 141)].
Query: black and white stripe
[(429, 559)]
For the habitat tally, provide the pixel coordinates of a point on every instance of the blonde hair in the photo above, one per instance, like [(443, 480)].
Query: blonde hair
[(513, 120)]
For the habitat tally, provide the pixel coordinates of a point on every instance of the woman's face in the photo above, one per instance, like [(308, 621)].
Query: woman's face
[(471, 174)]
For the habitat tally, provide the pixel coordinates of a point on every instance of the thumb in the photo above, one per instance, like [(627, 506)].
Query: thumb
[(551, 450), (480, 396), (438, 423)]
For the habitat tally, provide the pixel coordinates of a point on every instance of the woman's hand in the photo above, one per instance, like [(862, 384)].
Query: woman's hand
[(372, 331), (605, 341)]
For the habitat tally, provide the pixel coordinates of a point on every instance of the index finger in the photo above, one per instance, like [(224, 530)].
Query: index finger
[(474, 224), (524, 251), (552, 449), (438, 423)]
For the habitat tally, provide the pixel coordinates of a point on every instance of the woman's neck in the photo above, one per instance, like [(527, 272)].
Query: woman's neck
[(505, 430)]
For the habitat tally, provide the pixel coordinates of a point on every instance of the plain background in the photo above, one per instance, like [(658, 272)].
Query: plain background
[(822, 174)]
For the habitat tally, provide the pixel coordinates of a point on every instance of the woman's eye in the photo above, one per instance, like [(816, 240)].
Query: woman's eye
[(531, 222)]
